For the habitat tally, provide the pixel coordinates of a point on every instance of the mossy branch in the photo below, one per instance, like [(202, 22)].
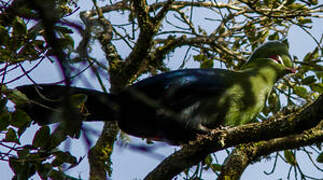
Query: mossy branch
[(246, 154), (196, 151)]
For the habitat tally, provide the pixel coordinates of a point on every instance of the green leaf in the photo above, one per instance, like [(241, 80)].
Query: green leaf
[(20, 118), (290, 2), (307, 57), (313, 2), (63, 157), (19, 27), (263, 35), (207, 64), (317, 87), (208, 160), (4, 35), (5, 118), (302, 20), (285, 41), (266, 2), (54, 174), (57, 137), (319, 74), (274, 102), (4, 57), (16, 96), (315, 53), (11, 136), (312, 55), (320, 158), (23, 153), (274, 36), (297, 6), (3, 104), (301, 91), (290, 157), (39, 44), (64, 30), (66, 42), (41, 137), (199, 58), (23, 169), (216, 167), (44, 170), (308, 80)]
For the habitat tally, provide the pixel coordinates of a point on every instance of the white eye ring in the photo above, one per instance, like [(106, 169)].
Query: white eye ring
[(277, 59)]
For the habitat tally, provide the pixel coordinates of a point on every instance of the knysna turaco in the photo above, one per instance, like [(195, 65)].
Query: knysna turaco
[(175, 106)]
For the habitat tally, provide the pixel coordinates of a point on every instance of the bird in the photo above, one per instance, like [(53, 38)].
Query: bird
[(176, 106)]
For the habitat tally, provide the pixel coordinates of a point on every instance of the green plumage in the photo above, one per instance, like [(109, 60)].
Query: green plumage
[(248, 89)]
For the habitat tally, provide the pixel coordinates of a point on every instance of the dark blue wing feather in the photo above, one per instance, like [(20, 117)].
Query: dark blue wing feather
[(144, 103), (179, 89)]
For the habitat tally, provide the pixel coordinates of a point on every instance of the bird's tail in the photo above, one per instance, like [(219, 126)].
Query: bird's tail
[(46, 101)]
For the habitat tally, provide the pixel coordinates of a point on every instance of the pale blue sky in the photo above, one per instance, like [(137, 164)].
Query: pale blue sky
[(129, 164)]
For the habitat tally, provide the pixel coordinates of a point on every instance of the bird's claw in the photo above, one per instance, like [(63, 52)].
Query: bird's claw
[(218, 129), (203, 129), (225, 127)]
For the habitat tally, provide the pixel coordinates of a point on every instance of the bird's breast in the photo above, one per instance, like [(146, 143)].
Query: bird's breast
[(238, 105)]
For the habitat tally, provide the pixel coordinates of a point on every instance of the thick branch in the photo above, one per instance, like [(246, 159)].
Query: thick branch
[(235, 5), (193, 153), (162, 13), (100, 154), (206, 4), (171, 43), (242, 156), (135, 62), (142, 12), (124, 5)]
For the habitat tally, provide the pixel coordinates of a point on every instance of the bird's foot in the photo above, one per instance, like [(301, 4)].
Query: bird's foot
[(203, 129), (225, 127), (220, 128)]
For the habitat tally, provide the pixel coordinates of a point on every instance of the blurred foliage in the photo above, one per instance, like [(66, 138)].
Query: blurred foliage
[(209, 33)]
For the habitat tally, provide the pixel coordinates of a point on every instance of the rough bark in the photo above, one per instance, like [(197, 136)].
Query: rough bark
[(196, 151), (246, 154), (100, 155), (121, 73)]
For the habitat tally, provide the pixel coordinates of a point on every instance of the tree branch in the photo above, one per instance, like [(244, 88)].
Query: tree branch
[(246, 154), (162, 13), (196, 151), (136, 61), (171, 43), (100, 155)]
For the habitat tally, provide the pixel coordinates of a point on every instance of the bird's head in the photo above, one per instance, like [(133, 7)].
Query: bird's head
[(274, 53)]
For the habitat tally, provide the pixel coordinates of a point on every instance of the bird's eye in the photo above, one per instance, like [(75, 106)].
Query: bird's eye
[(277, 59)]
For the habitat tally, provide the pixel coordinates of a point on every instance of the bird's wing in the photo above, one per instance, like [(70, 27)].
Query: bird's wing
[(180, 89)]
